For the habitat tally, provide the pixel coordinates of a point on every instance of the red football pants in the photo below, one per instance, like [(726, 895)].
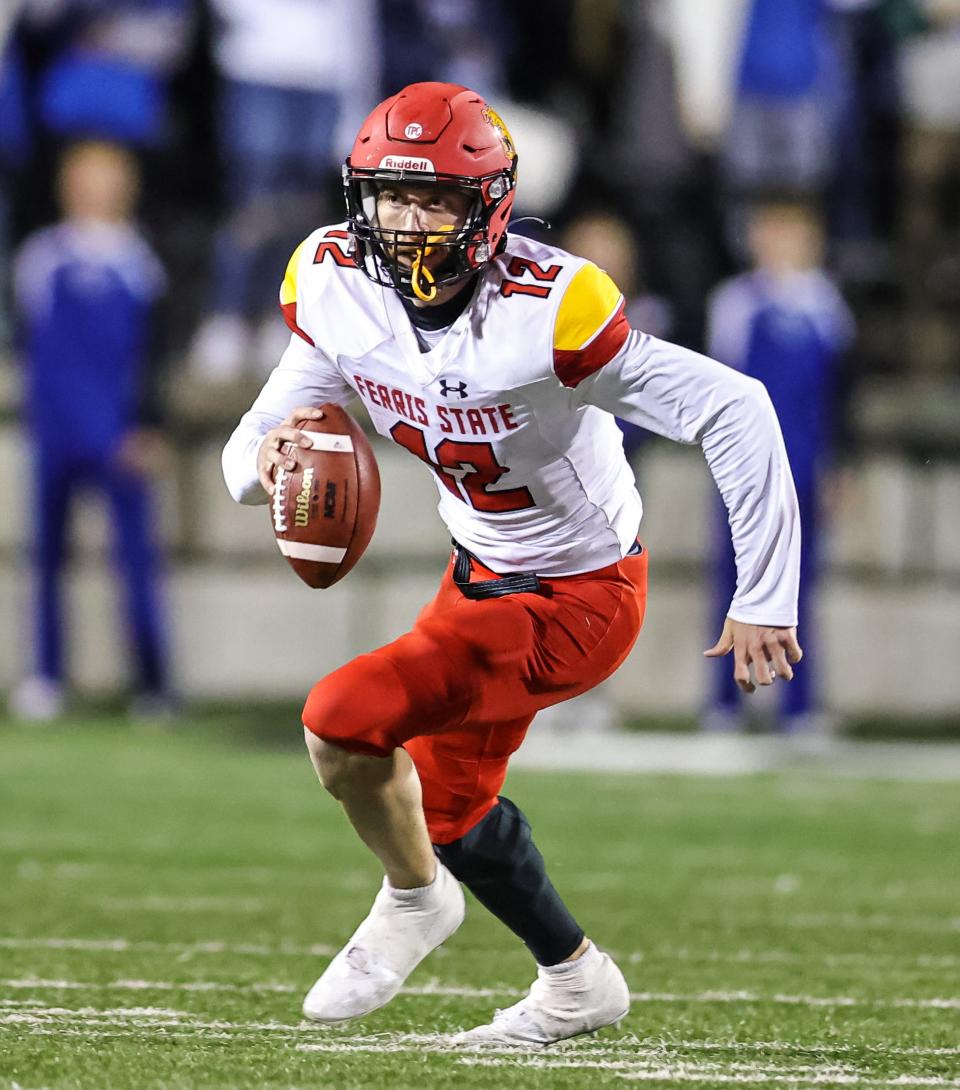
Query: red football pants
[(459, 690)]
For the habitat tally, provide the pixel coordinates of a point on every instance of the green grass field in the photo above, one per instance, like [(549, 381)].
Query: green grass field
[(167, 898)]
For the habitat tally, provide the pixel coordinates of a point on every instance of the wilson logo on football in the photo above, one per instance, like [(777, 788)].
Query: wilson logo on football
[(400, 162), (302, 517)]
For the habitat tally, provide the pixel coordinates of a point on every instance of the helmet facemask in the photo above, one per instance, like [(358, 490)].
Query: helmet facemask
[(378, 249)]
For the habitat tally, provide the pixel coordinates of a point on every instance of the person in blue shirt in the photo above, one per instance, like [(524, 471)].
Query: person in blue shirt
[(15, 147), (108, 67), (785, 323), (87, 290), (781, 130)]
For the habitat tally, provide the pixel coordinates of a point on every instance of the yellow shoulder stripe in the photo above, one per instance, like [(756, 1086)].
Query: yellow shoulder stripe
[(288, 289), (591, 297)]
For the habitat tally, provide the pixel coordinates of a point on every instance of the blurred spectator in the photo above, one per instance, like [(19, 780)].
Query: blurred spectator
[(785, 324), (87, 290), (469, 42), (930, 67), (817, 110), (864, 189), (293, 74), (14, 149), (780, 132), (475, 40), (409, 52), (607, 240), (651, 147), (637, 152), (108, 66)]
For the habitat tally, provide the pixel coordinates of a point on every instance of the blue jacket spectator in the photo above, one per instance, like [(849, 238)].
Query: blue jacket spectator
[(14, 150), (781, 131), (786, 324), (782, 48), (111, 65), (87, 289)]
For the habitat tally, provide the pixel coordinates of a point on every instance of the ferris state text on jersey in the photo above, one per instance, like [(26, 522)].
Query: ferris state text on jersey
[(540, 322)]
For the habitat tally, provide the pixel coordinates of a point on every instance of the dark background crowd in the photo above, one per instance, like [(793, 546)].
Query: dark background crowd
[(240, 111)]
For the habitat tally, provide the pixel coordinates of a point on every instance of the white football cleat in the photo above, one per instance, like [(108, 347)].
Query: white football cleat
[(402, 928), (585, 995)]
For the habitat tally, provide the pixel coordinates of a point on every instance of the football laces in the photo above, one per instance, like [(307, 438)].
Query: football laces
[(279, 501)]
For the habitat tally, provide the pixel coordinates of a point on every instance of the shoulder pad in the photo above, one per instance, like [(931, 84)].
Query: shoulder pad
[(591, 326), (289, 292), (326, 247)]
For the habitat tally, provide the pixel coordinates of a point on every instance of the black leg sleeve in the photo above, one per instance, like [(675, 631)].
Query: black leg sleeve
[(502, 867)]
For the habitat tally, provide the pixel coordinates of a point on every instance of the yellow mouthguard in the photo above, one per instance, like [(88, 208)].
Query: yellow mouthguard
[(419, 271)]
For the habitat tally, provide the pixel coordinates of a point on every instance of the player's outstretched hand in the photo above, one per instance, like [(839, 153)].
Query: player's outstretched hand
[(770, 651), (275, 452)]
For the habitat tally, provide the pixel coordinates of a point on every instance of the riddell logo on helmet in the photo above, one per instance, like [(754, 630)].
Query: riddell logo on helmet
[(401, 162)]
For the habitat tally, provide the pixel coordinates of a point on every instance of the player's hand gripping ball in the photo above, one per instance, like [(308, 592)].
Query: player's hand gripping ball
[(325, 510)]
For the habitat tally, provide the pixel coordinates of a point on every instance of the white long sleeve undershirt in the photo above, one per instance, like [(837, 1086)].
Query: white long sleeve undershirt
[(691, 398)]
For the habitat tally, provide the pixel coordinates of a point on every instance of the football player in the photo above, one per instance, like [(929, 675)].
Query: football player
[(500, 363)]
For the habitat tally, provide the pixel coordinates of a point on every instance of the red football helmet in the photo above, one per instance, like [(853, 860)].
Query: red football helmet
[(437, 133)]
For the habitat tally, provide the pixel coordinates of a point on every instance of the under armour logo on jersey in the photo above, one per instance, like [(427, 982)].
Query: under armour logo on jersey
[(448, 388)]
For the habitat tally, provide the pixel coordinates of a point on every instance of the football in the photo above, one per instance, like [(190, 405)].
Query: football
[(324, 512)]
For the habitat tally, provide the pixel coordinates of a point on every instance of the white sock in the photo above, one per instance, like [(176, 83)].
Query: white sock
[(585, 960), (418, 893)]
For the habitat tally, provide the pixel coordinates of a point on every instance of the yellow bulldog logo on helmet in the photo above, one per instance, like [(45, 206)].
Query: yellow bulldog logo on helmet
[(490, 115)]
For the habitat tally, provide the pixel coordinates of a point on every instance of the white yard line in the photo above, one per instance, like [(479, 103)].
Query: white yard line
[(145, 986), (629, 1058), (169, 1032), (123, 946), (31, 869), (633, 957), (140, 1018), (873, 922), (181, 904), (38, 869), (783, 957), (32, 1012), (947, 1003), (639, 1070), (338, 1040), (806, 1046), (458, 991), (802, 1082)]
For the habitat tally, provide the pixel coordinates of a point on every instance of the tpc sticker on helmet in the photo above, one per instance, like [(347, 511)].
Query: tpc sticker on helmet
[(413, 131)]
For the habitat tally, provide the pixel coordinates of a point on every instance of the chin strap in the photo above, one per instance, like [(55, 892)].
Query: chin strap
[(419, 270)]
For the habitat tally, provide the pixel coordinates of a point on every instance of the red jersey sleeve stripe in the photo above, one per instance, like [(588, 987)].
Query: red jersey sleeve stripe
[(572, 366), (290, 317)]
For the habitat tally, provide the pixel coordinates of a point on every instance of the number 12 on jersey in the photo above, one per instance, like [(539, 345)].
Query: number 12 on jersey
[(465, 469)]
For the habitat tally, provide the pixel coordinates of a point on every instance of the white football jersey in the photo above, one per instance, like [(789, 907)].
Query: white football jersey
[(512, 409)]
